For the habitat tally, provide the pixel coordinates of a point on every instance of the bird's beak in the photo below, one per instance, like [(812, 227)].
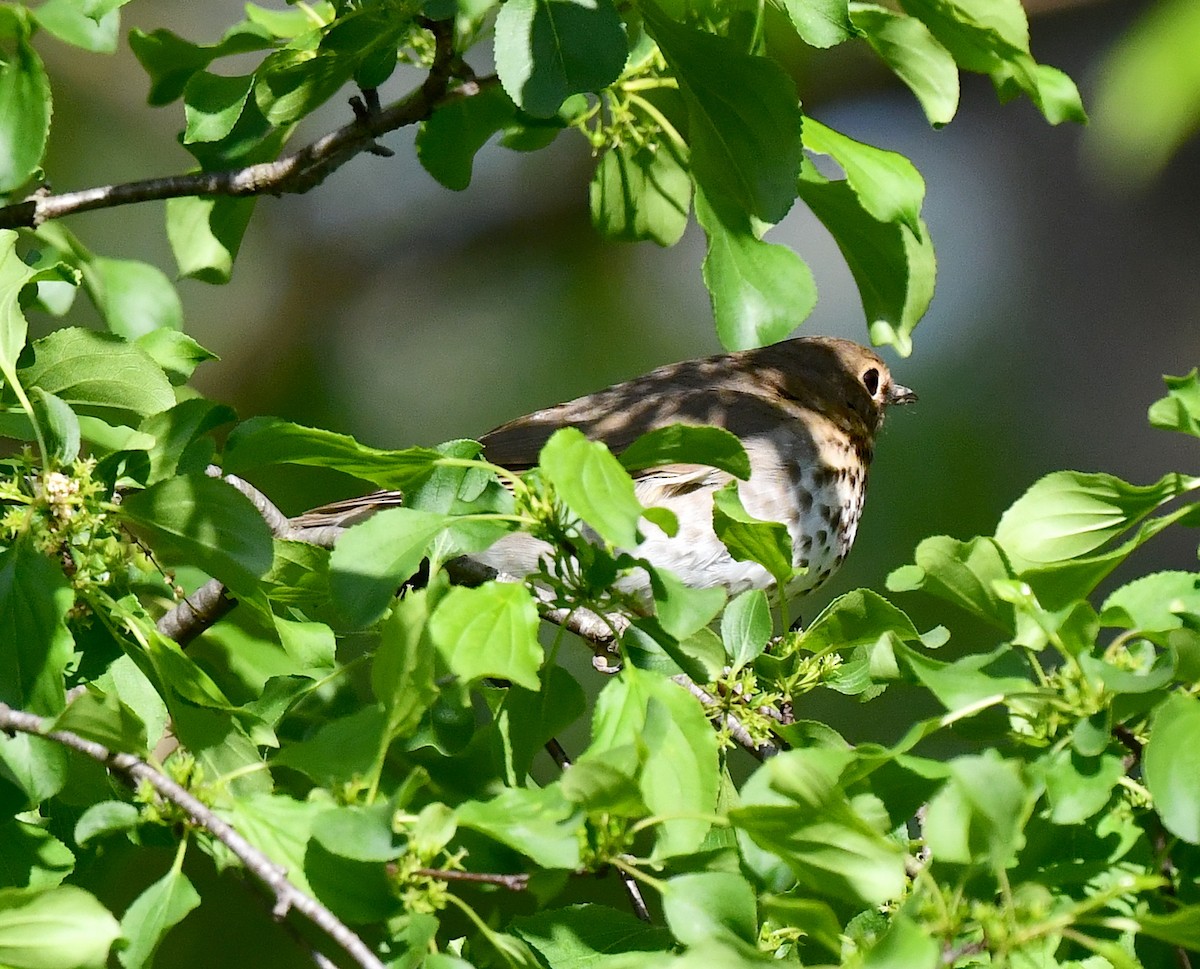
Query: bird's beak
[(900, 394)]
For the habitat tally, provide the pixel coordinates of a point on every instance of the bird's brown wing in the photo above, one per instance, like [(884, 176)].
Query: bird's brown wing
[(618, 419)]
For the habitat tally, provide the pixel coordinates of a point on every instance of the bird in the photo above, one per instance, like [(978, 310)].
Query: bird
[(807, 411)]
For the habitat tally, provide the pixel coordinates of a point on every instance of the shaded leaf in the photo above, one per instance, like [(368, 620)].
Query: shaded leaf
[(153, 914), (24, 108), (269, 440), (743, 119), (204, 522), (641, 192), (547, 50), (489, 630), (35, 645), (373, 558)]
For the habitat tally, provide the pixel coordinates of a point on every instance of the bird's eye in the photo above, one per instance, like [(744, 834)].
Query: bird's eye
[(870, 379)]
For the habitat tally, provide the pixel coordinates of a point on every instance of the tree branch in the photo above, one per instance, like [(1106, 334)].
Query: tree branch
[(295, 173), (274, 877)]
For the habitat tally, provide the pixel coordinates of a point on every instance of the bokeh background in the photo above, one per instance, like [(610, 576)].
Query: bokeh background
[(388, 307)]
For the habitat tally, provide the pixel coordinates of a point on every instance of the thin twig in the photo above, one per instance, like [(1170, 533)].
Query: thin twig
[(514, 883), (295, 173), (274, 877)]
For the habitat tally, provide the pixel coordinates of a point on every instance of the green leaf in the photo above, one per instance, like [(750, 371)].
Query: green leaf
[(153, 914), (963, 573), (859, 618), (32, 769), (91, 26), (360, 833), (1172, 766), (679, 773), (212, 105), (279, 827), (580, 936), (794, 809), (269, 440), (1180, 409), (15, 275), (905, 945), (760, 291), (372, 559), (342, 751), (820, 23), (887, 184), (743, 120), (592, 483), (980, 813), (207, 523), (59, 424), (104, 818), (688, 444), (135, 298), (35, 645), (33, 858), (681, 609), (489, 630), (102, 717), (749, 539), (24, 109), (402, 668), (1077, 787), (290, 84), (205, 233), (1179, 928), (992, 37), (814, 918), (641, 192), (449, 139), (981, 34), (547, 50), (175, 434), (912, 52), (711, 906), (1068, 514), (967, 683), (539, 823), (746, 627), (62, 928), (1154, 602), (893, 267), (98, 371), (171, 61), (176, 353)]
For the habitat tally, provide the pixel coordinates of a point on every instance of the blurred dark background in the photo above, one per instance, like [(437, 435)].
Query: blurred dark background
[(388, 307)]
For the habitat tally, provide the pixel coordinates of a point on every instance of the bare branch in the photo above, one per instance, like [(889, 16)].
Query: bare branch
[(287, 896), (514, 883), (295, 173)]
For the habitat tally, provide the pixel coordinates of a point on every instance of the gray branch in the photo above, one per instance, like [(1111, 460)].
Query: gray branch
[(287, 896), (295, 173)]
